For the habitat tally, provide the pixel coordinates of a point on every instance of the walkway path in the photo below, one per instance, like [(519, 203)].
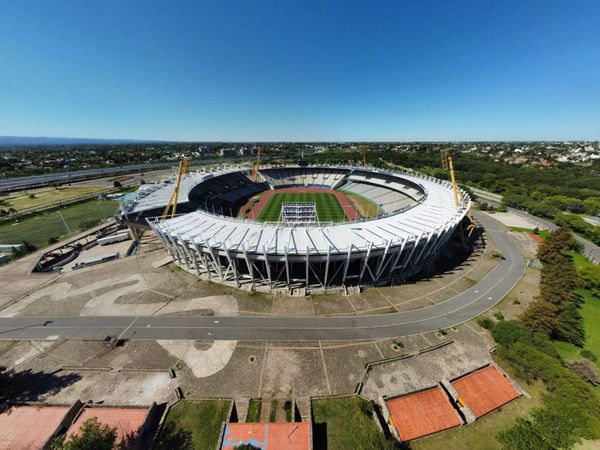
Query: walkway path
[(461, 308)]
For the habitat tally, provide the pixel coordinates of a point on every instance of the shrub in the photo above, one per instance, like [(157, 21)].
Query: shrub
[(485, 322), (588, 355), (498, 315)]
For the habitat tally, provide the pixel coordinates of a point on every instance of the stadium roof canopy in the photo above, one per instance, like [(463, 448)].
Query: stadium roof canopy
[(435, 214)]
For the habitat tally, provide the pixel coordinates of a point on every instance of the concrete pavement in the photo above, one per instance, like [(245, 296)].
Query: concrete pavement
[(463, 307)]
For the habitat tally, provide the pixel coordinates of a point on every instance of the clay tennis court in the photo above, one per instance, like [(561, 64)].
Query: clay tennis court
[(127, 421), (485, 390), (423, 413), (347, 207), (29, 427), (536, 238), (268, 436)]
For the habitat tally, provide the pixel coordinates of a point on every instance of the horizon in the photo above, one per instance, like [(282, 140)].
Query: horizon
[(107, 141), (301, 71)]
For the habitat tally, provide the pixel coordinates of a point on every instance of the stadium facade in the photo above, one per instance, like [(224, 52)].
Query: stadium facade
[(418, 215)]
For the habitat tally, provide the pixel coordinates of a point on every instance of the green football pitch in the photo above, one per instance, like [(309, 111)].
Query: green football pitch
[(328, 207)]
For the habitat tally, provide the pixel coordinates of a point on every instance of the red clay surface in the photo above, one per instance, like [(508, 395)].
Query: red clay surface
[(349, 210), (485, 390), (536, 238), (422, 413), (29, 427), (268, 436), (125, 420)]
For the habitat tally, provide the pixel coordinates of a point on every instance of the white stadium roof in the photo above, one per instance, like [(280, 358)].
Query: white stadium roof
[(435, 214)]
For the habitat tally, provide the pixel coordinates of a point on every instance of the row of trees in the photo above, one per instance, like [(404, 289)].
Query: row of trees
[(557, 193), (571, 409), (556, 311)]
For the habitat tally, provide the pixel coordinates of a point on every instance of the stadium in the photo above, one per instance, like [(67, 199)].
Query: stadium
[(302, 229)]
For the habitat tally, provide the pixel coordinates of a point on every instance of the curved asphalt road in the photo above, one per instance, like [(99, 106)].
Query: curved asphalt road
[(454, 311)]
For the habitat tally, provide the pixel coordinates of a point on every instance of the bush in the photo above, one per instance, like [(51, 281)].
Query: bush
[(508, 332), (586, 370), (498, 315), (570, 410), (588, 355), (485, 322)]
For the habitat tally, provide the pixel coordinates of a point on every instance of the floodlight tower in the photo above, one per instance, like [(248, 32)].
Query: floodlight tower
[(459, 200), (363, 152), (256, 165), (172, 203)]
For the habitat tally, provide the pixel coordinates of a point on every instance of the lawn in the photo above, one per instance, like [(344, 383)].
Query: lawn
[(196, 421), (39, 228), (46, 196), (369, 209), (346, 423), (542, 233), (590, 311), (253, 411), (328, 208)]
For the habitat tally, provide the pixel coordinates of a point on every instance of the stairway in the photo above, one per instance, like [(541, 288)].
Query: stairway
[(241, 406), (303, 406)]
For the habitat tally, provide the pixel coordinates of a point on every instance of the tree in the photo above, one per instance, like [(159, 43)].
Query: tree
[(541, 316), (91, 436)]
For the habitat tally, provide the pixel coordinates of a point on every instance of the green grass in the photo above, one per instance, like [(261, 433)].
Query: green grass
[(590, 311), (201, 420), (328, 208), (273, 411), (38, 228), (348, 424), (580, 261), (542, 233), (253, 411), (44, 196)]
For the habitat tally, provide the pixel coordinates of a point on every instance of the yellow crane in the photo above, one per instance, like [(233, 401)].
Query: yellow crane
[(363, 152), (459, 199), (172, 203), (256, 164)]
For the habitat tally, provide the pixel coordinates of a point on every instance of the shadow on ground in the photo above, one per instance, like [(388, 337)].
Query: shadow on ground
[(29, 386)]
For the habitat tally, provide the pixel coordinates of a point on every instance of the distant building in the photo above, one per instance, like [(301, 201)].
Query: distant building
[(227, 152), (246, 151)]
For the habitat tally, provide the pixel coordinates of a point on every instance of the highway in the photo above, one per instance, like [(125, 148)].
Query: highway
[(33, 181), (463, 307)]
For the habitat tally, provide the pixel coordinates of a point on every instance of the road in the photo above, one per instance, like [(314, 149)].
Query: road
[(32, 181), (590, 250), (454, 311)]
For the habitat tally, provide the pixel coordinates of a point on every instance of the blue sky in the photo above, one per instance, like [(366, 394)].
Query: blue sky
[(301, 70)]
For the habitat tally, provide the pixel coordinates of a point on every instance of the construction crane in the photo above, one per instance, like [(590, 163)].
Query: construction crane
[(256, 165), (172, 203), (459, 199), (363, 152)]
